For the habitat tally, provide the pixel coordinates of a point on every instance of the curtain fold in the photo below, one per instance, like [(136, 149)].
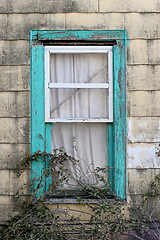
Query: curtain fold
[(86, 142)]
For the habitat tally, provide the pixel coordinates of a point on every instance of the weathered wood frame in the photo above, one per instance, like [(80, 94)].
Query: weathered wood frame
[(116, 136)]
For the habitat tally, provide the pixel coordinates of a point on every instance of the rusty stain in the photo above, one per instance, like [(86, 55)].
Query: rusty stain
[(119, 78)]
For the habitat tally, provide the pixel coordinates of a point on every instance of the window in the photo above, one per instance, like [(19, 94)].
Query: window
[(78, 84), (78, 92)]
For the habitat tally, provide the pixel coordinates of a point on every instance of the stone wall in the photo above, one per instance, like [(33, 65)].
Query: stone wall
[(140, 19)]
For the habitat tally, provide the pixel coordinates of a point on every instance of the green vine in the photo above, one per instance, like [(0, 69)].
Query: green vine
[(105, 220)]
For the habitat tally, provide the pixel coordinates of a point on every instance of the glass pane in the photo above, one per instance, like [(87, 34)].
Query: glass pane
[(79, 68), (87, 143), (79, 103)]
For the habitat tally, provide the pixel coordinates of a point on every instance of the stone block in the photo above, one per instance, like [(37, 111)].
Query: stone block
[(92, 21), (6, 212), (14, 104), (11, 184), (12, 154), (139, 180), (14, 53), (3, 24), (19, 25), (6, 200), (158, 5), (14, 130), (143, 155), (14, 78), (143, 77), (7, 205), (142, 25), (151, 207), (143, 129), (48, 6), (3, 6), (128, 6), (143, 52), (144, 103)]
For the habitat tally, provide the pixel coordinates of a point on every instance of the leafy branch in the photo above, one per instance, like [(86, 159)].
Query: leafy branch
[(104, 220)]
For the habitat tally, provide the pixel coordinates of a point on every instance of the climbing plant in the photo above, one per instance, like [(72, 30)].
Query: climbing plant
[(108, 218)]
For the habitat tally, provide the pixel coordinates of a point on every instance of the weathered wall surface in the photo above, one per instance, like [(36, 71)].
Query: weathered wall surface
[(140, 19)]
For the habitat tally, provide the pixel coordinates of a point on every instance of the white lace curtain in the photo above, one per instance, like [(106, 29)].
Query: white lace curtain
[(84, 141)]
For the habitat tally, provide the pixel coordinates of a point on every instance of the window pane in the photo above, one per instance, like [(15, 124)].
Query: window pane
[(86, 143), (79, 68), (79, 103)]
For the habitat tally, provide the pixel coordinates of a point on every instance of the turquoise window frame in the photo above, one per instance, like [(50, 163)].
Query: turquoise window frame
[(41, 131)]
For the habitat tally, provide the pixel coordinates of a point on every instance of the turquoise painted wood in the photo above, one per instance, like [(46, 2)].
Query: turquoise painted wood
[(79, 35), (48, 129), (116, 136), (110, 154), (119, 120), (37, 111)]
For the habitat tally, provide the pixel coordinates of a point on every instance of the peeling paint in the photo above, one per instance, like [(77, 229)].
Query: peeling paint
[(117, 132)]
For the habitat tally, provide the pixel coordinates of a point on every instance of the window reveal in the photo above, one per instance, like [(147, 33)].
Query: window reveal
[(79, 102)]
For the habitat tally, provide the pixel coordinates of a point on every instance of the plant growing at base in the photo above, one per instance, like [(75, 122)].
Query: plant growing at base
[(105, 219)]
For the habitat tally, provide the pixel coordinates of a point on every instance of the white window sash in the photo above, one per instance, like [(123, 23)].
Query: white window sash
[(78, 49)]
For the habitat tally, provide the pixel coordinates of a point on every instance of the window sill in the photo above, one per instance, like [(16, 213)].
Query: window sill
[(83, 201)]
